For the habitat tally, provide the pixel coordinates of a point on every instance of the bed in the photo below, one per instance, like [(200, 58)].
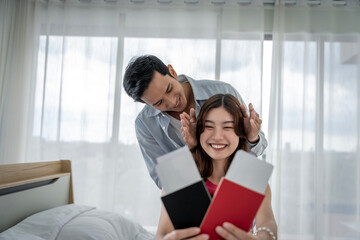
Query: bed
[(37, 203)]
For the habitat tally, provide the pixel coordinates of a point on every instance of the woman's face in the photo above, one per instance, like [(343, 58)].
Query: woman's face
[(218, 139)]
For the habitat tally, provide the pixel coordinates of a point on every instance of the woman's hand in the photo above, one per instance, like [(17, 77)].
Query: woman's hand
[(187, 233), (230, 232), (188, 129)]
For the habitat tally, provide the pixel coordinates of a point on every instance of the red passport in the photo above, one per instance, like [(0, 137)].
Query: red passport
[(231, 203)]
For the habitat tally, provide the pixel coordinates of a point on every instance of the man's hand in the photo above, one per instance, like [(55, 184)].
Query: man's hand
[(252, 123), (187, 233), (188, 129)]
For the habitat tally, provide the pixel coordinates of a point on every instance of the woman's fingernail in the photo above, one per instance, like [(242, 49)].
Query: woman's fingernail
[(205, 237), (227, 225)]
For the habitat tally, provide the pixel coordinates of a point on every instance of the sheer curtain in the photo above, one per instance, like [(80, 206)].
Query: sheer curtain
[(61, 95), (16, 70), (72, 105), (314, 121)]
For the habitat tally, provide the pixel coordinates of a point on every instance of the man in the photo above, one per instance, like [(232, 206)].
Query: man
[(158, 128)]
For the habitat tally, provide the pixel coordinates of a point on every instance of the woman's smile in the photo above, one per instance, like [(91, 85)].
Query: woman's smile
[(218, 146)]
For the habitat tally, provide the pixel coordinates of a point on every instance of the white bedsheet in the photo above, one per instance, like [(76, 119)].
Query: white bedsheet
[(75, 222)]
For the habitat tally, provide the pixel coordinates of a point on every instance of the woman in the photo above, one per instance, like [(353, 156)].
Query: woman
[(219, 134)]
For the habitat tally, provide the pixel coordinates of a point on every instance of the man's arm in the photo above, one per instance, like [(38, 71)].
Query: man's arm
[(150, 149)]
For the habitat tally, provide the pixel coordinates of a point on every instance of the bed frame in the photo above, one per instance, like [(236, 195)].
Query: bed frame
[(28, 188)]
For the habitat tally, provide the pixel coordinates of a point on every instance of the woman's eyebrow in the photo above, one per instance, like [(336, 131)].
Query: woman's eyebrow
[(209, 121), (228, 122)]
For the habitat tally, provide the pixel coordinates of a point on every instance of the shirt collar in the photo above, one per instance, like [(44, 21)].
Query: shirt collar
[(199, 94)]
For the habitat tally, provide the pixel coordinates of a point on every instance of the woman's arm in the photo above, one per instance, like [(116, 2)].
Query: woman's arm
[(166, 230), (265, 216), (165, 226)]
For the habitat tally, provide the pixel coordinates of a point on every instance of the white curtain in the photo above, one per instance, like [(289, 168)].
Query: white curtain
[(16, 70), (314, 124), (61, 95)]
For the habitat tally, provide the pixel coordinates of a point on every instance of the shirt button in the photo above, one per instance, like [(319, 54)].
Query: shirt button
[(163, 128), (158, 117)]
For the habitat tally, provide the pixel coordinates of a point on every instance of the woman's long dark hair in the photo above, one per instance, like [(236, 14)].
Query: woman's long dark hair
[(232, 106)]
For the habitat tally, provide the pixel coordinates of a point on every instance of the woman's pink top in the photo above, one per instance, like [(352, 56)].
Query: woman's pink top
[(211, 187)]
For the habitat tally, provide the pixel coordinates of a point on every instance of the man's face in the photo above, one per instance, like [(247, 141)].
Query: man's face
[(165, 94)]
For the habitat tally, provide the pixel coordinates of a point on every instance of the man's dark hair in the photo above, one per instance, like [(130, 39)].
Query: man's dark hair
[(139, 73)]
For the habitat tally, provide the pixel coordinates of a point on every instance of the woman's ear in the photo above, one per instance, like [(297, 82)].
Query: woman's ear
[(172, 71)]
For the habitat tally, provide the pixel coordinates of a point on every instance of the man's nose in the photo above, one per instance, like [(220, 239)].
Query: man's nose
[(171, 101)]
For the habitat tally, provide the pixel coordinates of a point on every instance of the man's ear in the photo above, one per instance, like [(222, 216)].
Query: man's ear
[(172, 71)]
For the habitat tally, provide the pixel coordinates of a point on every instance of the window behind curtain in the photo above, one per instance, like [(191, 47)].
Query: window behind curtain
[(319, 138), (81, 112), (75, 89), (74, 110), (74, 118)]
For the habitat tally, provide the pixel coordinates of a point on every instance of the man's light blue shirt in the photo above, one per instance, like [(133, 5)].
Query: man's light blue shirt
[(153, 126)]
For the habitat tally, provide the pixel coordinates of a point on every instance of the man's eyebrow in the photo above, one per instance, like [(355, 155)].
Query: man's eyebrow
[(166, 91), (168, 88), (154, 104)]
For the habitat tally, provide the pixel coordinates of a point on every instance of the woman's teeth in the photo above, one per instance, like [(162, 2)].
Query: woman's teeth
[(218, 146)]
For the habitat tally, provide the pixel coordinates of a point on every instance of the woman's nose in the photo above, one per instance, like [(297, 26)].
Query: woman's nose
[(218, 133)]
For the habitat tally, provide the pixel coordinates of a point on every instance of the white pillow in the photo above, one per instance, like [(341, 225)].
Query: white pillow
[(44, 225), (103, 225), (77, 223)]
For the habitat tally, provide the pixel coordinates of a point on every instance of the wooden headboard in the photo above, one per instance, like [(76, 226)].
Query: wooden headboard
[(28, 188)]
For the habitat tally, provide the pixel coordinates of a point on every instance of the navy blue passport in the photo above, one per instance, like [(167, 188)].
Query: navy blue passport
[(187, 207)]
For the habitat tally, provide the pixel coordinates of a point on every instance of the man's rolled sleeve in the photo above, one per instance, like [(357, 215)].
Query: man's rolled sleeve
[(259, 147)]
